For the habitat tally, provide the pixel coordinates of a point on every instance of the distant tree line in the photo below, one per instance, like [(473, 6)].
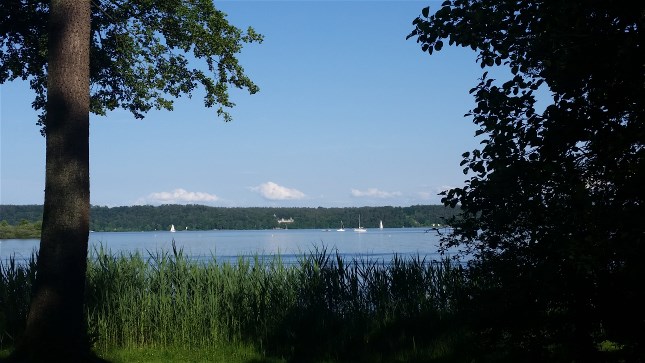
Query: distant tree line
[(199, 217), (14, 214)]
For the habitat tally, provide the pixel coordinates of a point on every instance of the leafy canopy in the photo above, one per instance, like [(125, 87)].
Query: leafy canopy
[(143, 53), (553, 197)]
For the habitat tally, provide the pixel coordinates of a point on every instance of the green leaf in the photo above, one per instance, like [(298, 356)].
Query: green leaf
[(425, 11)]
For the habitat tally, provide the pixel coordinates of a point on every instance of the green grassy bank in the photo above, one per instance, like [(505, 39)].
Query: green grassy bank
[(23, 229)]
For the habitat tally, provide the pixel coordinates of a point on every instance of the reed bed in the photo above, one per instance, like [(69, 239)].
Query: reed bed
[(15, 289), (322, 307), (167, 300)]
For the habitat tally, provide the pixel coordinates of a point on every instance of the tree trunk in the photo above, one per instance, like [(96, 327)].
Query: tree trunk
[(56, 328)]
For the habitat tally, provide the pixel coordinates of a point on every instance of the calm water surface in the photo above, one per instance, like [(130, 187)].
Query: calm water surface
[(227, 245)]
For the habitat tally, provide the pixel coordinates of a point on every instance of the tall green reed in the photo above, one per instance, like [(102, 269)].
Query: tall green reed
[(16, 281), (166, 299), (353, 308), (323, 306)]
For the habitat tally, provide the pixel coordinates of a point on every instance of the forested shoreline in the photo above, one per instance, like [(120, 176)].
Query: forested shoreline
[(200, 217)]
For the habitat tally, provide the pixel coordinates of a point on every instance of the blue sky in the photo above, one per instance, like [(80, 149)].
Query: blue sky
[(349, 113)]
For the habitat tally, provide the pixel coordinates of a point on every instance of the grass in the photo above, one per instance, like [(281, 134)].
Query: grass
[(324, 307), (165, 307)]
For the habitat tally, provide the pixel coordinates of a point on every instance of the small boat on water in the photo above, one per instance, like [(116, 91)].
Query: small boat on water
[(380, 225), (359, 229), (172, 228), (342, 228)]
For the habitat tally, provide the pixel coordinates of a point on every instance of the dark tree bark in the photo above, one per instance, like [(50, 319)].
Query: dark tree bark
[(56, 329)]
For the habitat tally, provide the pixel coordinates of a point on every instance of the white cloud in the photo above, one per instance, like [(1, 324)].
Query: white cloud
[(273, 191), (374, 192), (179, 196)]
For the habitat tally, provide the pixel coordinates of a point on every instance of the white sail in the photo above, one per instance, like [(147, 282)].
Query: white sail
[(359, 229), (380, 226), (172, 228), (342, 228)]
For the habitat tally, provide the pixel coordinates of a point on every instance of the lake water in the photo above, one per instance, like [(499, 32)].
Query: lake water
[(225, 245)]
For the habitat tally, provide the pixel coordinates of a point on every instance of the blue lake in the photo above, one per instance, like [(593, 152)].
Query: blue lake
[(380, 244)]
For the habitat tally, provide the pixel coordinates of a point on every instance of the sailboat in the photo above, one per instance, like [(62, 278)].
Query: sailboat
[(359, 229), (342, 228), (380, 225), (172, 228)]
